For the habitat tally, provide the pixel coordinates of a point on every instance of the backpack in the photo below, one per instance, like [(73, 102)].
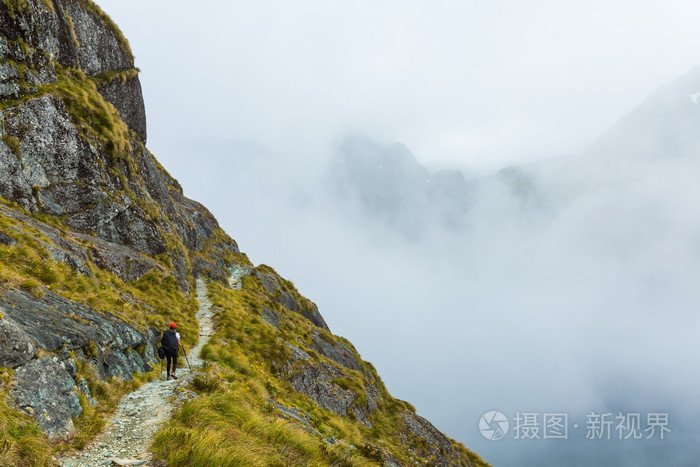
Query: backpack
[(161, 352), (170, 343)]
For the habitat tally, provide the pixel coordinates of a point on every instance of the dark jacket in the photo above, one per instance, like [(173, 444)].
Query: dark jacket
[(170, 343)]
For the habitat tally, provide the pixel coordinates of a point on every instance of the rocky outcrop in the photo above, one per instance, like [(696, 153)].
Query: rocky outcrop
[(77, 250), (125, 95), (323, 383), (334, 388), (47, 392), (40, 338), (72, 135), (99, 45), (72, 158), (31, 36), (38, 37), (16, 348), (337, 352), (53, 323), (435, 446), (282, 292), (55, 171), (270, 317)]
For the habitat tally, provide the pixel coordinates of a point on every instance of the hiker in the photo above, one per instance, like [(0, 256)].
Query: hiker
[(171, 342)]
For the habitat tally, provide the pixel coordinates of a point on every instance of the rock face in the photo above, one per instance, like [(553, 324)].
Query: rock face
[(72, 145), (57, 172), (98, 46), (57, 328), (282, 292), (45, 390), (77, 250), (125, 96), (337, 352), (55, 323), (58, 155), (320, 381), (16, 348), (35, 40), (436, 445)]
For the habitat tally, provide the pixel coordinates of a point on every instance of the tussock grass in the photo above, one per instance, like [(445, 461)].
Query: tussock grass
[(232, 427), (109, 76), (108, 394), (17, 7), (156, 298), (92, 115), (22, 443), (153, 300), (12, 143), (232, 422)]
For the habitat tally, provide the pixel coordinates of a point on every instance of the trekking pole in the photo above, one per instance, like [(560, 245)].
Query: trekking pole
[(187, 359)]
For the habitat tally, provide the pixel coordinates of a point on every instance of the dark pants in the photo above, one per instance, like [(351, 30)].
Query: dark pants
[(171, 358)]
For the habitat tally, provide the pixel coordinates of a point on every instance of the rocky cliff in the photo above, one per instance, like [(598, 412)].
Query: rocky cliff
[(99, 248)]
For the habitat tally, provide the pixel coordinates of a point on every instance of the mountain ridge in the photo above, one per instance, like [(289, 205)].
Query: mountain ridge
[(99, 248)]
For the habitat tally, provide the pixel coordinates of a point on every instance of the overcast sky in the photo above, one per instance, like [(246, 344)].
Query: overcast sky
[(532, 309), (469, 83)]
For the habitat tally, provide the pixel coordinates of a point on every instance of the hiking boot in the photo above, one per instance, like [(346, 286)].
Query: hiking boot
[(173, 376)]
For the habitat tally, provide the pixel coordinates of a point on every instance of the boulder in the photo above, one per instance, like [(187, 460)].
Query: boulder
[(54, 322), (315, 317), (44, 390), (337, 352), (6, 239), (438, 446), (16, 348), (317, 379), (270, 317)]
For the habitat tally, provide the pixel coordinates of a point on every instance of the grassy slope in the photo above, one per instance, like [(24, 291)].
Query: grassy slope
[(155, 300), (233, 422)]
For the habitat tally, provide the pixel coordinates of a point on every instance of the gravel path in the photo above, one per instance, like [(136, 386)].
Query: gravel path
[(128, 436)]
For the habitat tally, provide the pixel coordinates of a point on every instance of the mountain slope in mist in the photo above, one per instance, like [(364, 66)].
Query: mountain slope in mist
[(583, 267), (386, 181), (664, 125)]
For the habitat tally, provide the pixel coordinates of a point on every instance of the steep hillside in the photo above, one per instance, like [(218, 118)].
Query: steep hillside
[(99, 249)]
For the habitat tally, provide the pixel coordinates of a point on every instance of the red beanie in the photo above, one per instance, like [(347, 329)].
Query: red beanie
[(172, 325)]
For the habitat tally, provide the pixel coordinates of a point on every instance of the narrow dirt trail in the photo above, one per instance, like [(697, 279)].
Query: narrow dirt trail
[(129, 434)]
